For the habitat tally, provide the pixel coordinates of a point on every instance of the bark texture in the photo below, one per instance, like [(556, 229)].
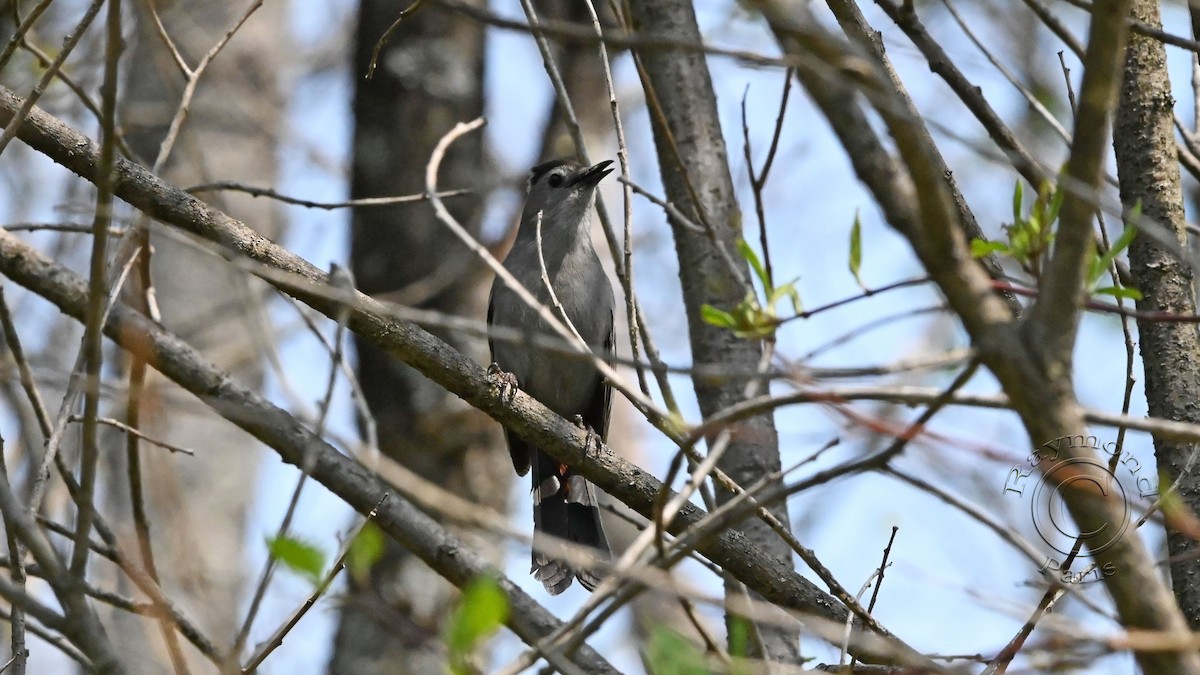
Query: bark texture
[(695, 173), (1031, 359), (429, 77), (727, 547), (360, 487), (1147, 170)]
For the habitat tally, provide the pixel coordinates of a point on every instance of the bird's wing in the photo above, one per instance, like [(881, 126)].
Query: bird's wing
[(597, 414), (491, 309)]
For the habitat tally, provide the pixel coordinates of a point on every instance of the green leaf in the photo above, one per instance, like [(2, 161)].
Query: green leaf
[(794, 295), (1120, 292), (481, 611), (789, 291), (983, 247), (856, 249), (1020, 239), (739, 636), (1033, 225), (752, 258), (747, 312), (1056, 202), (717, 317), (297, 555), (751, 320), (365, 551), (1017, 202), (1125, 239), (1104, 262), (669, 653)]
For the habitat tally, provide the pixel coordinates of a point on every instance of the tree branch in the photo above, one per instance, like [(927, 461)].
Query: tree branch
[(916, 204), (775, 581), (354, 483), (1054, 317), (1144, 144)]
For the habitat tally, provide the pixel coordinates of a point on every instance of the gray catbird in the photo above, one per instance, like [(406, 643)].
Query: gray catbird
[(564, 504)]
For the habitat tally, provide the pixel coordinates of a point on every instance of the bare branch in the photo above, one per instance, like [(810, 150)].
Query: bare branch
[(232, 186), (350, 480), (1054, 318), (361, 489), (10, 128)]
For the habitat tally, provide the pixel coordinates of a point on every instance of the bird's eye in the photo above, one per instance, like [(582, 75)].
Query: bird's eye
[(555, 180)]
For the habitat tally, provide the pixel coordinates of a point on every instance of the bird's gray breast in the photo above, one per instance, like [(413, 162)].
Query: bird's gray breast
[(563, 383)]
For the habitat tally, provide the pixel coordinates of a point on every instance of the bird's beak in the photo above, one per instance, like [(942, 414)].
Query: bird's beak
[(592, 175)]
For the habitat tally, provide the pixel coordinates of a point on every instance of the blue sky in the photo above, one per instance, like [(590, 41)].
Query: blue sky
[(954, 587)]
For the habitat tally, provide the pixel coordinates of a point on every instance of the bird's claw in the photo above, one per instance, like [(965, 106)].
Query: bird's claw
[(504, 381), (592, 440)]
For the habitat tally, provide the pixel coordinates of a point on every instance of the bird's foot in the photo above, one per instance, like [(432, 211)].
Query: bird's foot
[(593, 439), (504, 381)]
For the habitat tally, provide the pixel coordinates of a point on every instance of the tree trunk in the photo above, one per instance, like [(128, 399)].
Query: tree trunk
[(429, 77), (1148, 172), (695, 173)]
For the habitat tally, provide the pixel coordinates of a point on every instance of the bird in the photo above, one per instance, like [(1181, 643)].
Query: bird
[(558, 202)]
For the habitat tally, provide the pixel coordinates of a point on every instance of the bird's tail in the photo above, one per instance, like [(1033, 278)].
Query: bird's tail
[(564, 506)]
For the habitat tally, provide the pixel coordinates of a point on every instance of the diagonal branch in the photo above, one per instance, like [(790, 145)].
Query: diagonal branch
[(362, 489), (771, 578), (1143, 140), (345, 477), (1054, 318), (694, 165), (916, 204), (81, 624)]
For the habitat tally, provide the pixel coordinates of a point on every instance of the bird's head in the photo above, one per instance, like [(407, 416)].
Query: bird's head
[(562, 190)]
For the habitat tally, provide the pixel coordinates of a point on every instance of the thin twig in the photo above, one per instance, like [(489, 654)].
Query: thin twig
[(23, 26), (879, 572), (883, 565), (758, 180), (141, 520), (554, 302), (1142, 28), (87, 633), (12, 340), (80, 93), (134, 431), (905, 16), (370, 435), (93, 339), (1057, 27), (614, 379), (180, 62), (74, 384), (277, 638), (626, 277), (387, 35), (341, 280), (16, 553), (621, 254), (77, 228), (10, 129), (55, 640), (193, 80), (233, 186)]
